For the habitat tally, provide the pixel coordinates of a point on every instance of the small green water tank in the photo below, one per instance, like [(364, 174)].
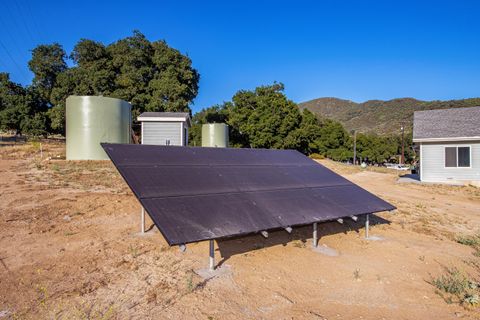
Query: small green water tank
[(91, 120), (215, 135)]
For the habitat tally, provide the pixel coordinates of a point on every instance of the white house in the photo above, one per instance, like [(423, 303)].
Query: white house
[(449, 141), (165, 128)]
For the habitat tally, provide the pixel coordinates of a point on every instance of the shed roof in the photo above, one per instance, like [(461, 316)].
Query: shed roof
[(165, 116), (454, 124)]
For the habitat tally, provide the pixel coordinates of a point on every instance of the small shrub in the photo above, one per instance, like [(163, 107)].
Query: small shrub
[(317, 156), (35, 144), (42, 295), (190, 285), (298, 244), (456, 286), (471, 241), (473, 300), (134, 251), (454, 282)]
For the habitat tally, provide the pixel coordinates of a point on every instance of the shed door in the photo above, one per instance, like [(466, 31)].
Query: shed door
[(162, 133)]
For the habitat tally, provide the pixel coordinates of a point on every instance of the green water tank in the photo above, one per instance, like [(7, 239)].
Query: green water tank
[(91, 120), (215, 135)]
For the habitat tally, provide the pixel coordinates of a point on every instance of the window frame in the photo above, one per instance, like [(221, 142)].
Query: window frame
[(456, 147)]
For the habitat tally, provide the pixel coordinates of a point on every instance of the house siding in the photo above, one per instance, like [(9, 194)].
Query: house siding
[(157, 133), (432, 163)]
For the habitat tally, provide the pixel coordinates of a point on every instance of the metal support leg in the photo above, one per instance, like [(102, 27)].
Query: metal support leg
[(212, 255), (143, 220), (315, 234), (367, 225)]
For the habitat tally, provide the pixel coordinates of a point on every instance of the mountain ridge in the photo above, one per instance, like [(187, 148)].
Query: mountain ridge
[(382, 117)]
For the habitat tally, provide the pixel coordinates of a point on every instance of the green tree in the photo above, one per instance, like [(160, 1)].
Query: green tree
[(174, 83), (93, 73), (12, 103), (305, 138), (377, 149), (35, 125), (334, 141), (131, 59), (263, 117), (47, 62), (150, 75), (21, 110), (266, 118)]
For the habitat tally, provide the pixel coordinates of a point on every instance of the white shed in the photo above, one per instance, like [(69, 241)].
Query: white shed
[(165, 128), (449, 141)]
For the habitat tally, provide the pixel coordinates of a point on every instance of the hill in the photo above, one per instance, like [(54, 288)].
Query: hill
[(378, 116)]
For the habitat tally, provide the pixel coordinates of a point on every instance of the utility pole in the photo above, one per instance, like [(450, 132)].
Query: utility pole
[(402, 158), (354, 132)]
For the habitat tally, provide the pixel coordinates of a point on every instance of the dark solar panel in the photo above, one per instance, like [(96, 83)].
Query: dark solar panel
[(195, 194)]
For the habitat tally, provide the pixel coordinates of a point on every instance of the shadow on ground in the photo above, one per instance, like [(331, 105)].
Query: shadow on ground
[(240, 245), (411, 176)]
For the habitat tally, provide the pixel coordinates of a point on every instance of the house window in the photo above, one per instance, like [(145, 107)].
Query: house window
[(463, 156), (457, 157)]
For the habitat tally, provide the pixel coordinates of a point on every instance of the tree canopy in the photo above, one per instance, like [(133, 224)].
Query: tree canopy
[(266, 118), (47, 62), (21, 109), (152, 76)]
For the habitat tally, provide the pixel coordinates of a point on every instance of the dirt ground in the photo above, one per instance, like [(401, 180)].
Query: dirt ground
[(70, 249)]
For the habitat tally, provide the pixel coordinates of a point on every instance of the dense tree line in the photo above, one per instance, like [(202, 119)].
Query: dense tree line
[(21, 109), (266, 118), (150, 75), (155, 77)]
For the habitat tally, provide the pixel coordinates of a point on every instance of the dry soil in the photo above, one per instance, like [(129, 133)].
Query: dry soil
[(70, 249)]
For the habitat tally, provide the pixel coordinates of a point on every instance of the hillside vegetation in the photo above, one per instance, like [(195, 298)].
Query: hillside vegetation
[(266, 118), (378, 116)]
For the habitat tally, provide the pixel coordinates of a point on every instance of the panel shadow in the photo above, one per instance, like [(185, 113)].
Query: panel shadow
[(243, 244)]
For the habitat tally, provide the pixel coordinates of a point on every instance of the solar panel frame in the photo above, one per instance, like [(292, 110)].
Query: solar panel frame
[(233, 192)]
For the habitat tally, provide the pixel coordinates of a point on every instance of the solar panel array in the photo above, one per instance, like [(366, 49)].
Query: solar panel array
[(194, 194)]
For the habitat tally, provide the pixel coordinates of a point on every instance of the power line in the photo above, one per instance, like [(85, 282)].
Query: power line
[(12, 39), (3, 66), (33, 18), (7, 29), (20, 11), (14, 62), (17, 49), (17, 26)]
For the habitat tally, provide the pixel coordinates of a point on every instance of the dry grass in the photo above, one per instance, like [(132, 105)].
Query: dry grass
[(46, 158), (83, 175), (34, 150), (351, 169)]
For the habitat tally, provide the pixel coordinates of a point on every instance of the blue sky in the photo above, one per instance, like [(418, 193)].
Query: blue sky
[(357, 50)]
